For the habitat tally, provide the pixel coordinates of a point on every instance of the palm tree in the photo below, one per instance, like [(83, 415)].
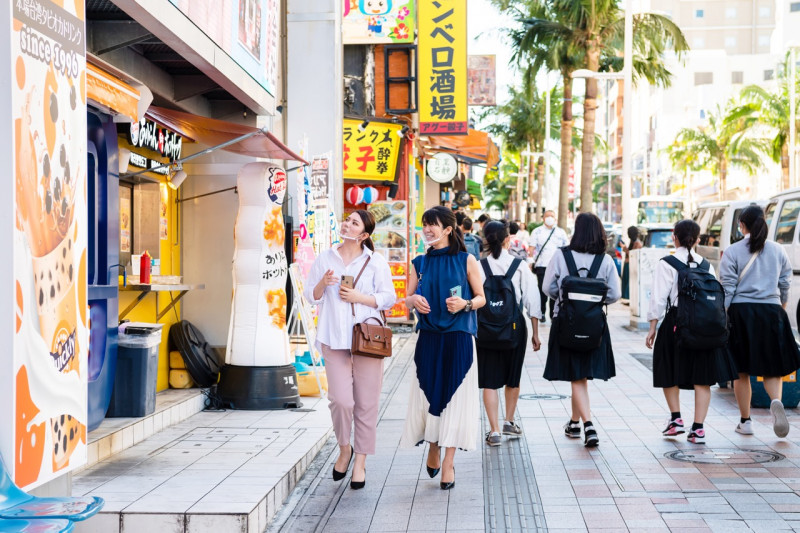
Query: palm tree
[(498, 184), (766, 110), (719, 145)]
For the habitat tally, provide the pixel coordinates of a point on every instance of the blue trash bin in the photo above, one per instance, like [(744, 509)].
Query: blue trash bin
[(790, 397), (134, 392)]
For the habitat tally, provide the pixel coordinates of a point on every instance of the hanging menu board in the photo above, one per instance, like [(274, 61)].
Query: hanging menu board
[(391, 240)]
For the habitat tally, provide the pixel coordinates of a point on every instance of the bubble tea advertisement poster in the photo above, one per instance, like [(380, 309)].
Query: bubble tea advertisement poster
[(43, 428)]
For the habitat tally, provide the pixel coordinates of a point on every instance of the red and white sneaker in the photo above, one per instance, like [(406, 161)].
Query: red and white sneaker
[(697, 436), (674, 428)]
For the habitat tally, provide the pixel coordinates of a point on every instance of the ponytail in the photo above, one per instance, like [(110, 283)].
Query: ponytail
[(368, 243), (687, 231), (495, 234), (753, 219)]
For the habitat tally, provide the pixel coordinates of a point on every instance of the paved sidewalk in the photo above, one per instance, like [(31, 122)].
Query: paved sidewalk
[(635, 481)]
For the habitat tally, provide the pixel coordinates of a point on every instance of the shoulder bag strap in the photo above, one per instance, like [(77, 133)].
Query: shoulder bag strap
[(748, 265), (596, 264), (675, 263), (572, 268), (542, 248), (353, 307)]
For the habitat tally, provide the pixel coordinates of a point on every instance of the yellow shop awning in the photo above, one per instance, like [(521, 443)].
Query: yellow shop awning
[(111, 92)]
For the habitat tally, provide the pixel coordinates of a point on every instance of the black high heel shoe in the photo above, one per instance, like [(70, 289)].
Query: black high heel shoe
[(338, 476), (432, 472), (356, 485), (449, 485)]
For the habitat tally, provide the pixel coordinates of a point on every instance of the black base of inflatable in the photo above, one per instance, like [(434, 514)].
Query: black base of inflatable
[(258, 387)]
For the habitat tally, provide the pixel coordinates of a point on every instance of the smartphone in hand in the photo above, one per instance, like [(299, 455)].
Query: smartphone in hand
[(456, 291), (347, 281)]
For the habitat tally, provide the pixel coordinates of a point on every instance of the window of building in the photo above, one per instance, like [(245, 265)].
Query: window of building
[(730, 42), (787, 222), (769, 74), (763, 40), (794, 7), (730, 12), (698, 42), (737, 77), (699, 13), (764, 12), (703, 78)]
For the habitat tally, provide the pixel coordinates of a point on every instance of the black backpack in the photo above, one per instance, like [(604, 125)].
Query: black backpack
[(581, 313), (701, 323), (499, 319)]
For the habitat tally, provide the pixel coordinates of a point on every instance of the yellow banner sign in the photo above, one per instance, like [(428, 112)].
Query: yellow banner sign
[(442, 52), (370, 153)]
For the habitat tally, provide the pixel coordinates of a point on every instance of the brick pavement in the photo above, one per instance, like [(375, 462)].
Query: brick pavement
[(546, 481)]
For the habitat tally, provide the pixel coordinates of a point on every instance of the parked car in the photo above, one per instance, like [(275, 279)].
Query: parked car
[(656, 235), (719, 227), (782, 212)]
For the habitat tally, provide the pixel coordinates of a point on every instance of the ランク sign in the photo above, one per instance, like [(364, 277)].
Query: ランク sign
[(371, 154)]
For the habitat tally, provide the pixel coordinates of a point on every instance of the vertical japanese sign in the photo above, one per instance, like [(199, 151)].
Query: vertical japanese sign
[(370, 153), (320, 175), (43, 425), (442, 52), (482, 80)]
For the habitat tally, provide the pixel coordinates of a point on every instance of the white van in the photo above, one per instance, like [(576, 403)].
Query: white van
[(782, 214), (719, 227)]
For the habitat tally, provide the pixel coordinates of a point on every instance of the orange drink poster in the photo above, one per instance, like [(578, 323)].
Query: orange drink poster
[(43, 429)]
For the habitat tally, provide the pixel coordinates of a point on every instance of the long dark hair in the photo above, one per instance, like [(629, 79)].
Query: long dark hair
[(589, 236), (753, 219), (495, 234), (633, 233), (442, 215), (687, 231), (369, 226)]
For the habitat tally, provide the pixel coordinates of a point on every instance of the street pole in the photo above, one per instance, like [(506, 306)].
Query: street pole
[(608, 150), (546, 143), (627, 114), (792, 119)]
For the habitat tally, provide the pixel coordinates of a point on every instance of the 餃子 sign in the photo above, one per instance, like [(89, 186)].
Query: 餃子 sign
[(442, 53), (370, 154)]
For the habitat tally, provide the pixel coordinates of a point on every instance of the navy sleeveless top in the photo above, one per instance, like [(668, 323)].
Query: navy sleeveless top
[(440, 272)]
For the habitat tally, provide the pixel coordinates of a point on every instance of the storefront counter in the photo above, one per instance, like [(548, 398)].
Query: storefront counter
[(145, 289)]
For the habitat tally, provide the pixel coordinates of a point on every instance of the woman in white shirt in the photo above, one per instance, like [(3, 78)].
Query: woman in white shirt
[(500, 366), (675, 368), (354, 382)]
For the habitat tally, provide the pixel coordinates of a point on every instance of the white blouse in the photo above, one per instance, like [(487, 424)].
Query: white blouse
[(335, 327), (525, 285), (665, 284)]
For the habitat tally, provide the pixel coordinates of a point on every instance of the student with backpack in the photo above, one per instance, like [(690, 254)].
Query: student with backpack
[(756, 274), (502, 338), (582, 279), (517, 247), (473, 243), (690, 350)]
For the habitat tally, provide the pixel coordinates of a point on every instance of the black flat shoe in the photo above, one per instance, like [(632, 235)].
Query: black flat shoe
[(338, 476), (356, 485), (432, 472), (451, 484)]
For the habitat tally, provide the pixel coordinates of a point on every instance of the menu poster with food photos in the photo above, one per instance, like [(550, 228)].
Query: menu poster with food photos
[(391, 241), (44, 383)]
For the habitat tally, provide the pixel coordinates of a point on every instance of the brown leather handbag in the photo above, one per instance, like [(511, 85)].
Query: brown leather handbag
[(370, 340)]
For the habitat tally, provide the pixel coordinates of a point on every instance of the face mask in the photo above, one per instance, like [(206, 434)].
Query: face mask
[(349, 238), (434, 241), (549, 221)]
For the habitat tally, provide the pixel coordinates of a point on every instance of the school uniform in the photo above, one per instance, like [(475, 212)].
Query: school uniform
[(503, 368), (681, 367), (568, 365), (761, 339)]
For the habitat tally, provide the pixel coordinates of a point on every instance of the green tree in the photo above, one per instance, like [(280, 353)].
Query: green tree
[(721, 144)]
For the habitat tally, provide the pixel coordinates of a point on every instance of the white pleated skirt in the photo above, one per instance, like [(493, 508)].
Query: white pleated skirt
[(458, 425)]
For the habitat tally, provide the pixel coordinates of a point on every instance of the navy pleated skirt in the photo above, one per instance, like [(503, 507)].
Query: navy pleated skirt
[(567, 365), (761, 340)]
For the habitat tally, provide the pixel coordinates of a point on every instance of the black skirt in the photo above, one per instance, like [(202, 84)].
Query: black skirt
[(502, 368), (761, 340), (567, 365), (684, 368)]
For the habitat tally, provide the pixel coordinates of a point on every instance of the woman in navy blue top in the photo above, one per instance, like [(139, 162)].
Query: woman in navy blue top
[(446, 289)]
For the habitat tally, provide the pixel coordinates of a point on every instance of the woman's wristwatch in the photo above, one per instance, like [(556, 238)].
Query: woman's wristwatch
[(468, 308)]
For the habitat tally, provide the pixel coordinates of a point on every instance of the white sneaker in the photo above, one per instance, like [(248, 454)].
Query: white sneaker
[(745, 428), (780, 424)]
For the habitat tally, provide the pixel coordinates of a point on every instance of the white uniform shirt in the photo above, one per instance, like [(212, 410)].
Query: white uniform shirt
[(525, 285), (665, 284), (335, 327), (557, 270), (539, 238)]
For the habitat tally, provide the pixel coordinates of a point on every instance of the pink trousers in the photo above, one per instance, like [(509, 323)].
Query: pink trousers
[(354, 392)]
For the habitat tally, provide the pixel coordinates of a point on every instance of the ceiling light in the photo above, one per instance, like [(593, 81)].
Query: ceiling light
[(363, 125)]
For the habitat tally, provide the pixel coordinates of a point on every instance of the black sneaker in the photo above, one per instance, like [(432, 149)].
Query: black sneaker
[(590, 439), (572, 429)]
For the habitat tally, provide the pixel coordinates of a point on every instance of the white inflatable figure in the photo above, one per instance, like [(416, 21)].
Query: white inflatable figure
[(257, 334)]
